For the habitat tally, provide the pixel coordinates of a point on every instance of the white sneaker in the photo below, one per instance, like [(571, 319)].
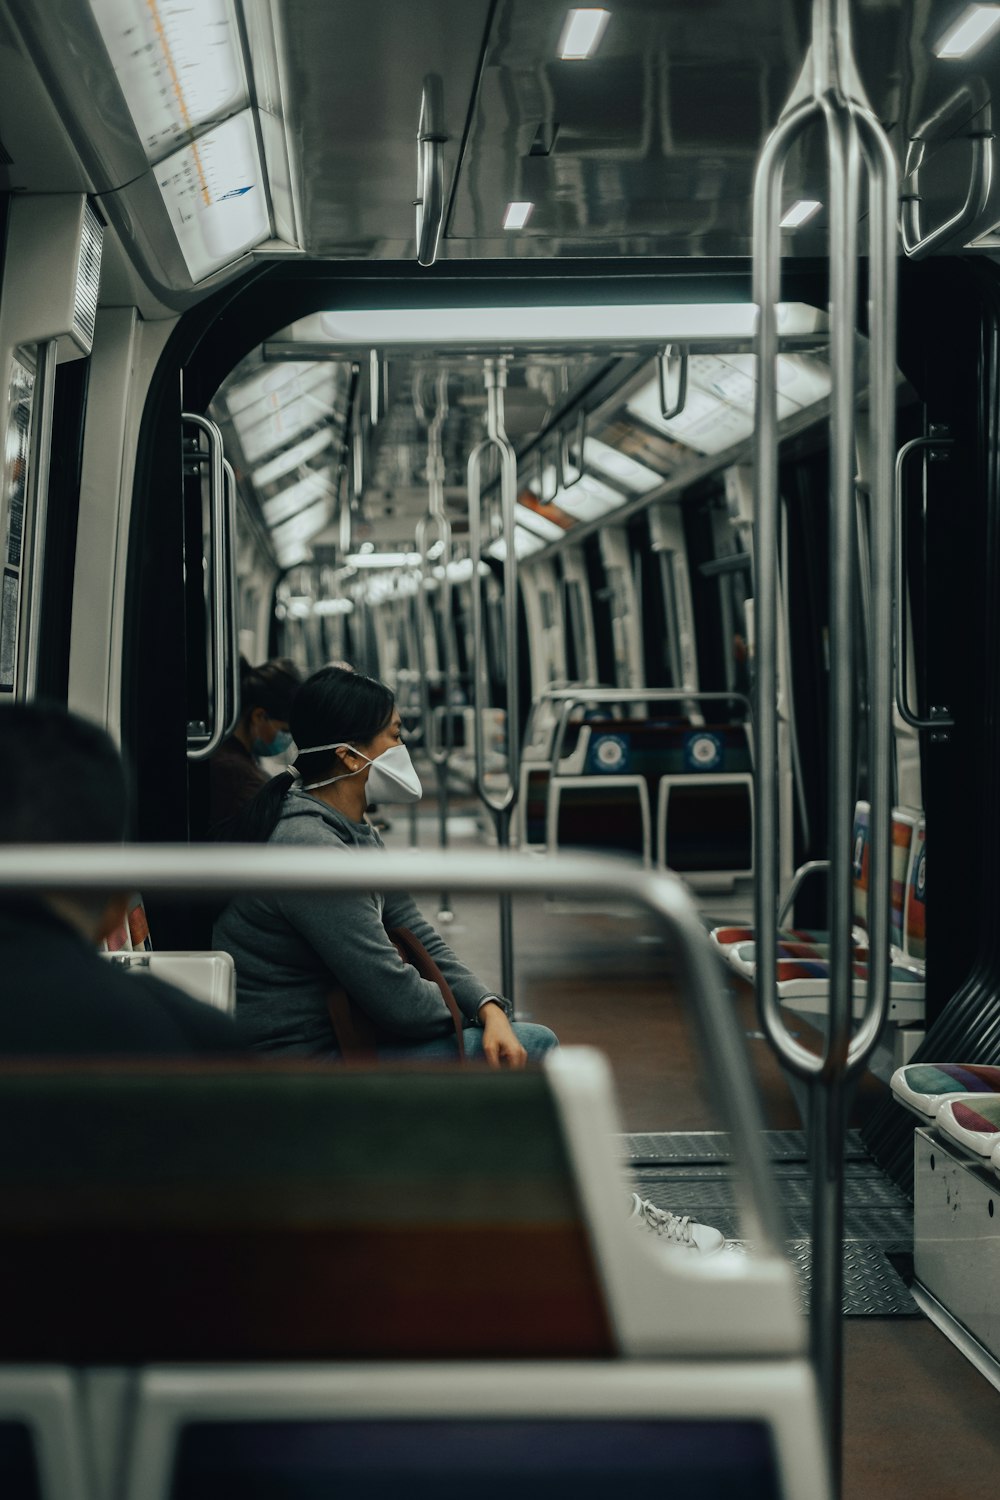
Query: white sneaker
[(680, 1233)]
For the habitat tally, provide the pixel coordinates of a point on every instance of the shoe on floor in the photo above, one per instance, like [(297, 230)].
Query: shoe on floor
[(675, 1232)]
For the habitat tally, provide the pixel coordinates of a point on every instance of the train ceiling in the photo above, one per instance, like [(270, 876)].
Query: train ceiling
[(232, 132)]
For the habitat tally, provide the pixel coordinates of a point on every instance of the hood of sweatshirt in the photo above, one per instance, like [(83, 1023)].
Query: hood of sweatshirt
[(305, 820)]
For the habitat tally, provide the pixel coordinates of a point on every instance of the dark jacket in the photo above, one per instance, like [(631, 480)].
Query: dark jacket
[(58, 997), (291, 947), (234, 779)]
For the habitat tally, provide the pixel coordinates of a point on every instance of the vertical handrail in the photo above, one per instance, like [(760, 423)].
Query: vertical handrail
[(501, 807), (851, 132), (941, 720), (217, 585), (38, 511), (436, 518), (231, 649)]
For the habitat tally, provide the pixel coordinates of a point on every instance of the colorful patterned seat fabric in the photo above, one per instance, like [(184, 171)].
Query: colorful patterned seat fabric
[(975, 1125), (925, 1087)]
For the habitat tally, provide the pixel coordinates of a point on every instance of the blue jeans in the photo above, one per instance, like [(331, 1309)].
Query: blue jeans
[(536, 1041)]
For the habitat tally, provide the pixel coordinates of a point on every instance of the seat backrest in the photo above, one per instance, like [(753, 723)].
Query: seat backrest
[(859, 864), (915, 944), (233, 1211), (904, 822)]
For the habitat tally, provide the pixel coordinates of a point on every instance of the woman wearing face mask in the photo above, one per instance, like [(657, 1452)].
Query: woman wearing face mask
[(235, 772), (292, 949)]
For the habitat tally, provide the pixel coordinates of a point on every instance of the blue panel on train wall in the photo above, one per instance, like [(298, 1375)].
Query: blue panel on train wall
[(703, 751), (610, 754)]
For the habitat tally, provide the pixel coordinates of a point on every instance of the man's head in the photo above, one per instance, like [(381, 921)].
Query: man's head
[(63, 783)]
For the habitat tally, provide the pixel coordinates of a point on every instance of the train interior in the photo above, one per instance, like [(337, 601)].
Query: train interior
[(431, 337)]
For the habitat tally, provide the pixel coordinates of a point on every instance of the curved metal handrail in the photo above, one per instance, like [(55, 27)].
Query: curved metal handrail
[(231, 649), (562, 452), (980, 180), (202, 749), (429, 203), (231, 870), (943, 721), (668, 412), (495, 439), (425, 525)]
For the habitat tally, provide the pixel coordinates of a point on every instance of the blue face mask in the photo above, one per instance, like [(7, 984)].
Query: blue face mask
[(264, 750)]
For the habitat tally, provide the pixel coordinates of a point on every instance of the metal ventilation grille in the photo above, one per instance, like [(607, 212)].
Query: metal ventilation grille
[(88, 278)]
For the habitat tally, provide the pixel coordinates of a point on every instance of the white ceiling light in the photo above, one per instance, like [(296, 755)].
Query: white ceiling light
[(333, 607), (620, 466), (517, 215), (582, 32), (295, 497), (643, 324), (800, 212), (384, 560), (293, 458), (970, 31)]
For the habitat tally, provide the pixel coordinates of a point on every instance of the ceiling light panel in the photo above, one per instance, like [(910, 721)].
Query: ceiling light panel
[(525, 543), (639, 324), (619, 467), (582, 33), (517, 215), (293, 458), (800, 213), (296, 496), (973, 27)]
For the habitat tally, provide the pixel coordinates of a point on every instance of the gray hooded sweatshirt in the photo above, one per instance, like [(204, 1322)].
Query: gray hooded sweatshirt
[(291, 947)]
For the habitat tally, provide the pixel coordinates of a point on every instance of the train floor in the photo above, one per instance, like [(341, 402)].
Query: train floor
[(920, 1421)]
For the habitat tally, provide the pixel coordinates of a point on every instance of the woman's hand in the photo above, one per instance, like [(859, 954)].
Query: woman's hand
[(501, 1047)]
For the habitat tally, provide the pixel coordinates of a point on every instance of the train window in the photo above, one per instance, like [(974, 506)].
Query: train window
[(17, 437)]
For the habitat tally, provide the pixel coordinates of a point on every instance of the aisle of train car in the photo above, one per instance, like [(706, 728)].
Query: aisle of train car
[(919, 1419)]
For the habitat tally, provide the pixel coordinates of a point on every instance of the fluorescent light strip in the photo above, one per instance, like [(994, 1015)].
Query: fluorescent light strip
[(582, 32), (800, 213), (384, 560), (293, 458), (969, 32), (642, 323), (517, 215)]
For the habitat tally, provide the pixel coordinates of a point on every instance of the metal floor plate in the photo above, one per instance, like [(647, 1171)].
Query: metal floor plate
[(713, 1145), (693, 1174)]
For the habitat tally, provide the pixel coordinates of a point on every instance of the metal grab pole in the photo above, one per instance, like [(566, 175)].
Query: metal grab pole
[(851, 129), (502, 806), (218, 585), (231, 649), (436, 517), (940, 720)]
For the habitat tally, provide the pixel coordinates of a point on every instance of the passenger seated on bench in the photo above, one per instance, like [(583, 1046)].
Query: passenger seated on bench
[(235, 772), (62, 782), (291, 950)]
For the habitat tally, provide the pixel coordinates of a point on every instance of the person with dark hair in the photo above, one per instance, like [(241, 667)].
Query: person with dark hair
[(292, 949), (64, 783), (235, 772)]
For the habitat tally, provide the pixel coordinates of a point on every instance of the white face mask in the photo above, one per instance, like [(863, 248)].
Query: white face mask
[(392, 777)]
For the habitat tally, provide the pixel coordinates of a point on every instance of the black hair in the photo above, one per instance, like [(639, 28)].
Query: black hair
[(272, 686), (62, 777), (334, 705)]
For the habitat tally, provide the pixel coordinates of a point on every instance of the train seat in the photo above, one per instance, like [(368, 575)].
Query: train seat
[(697, 777), (208, 975), (923, 1088), (972, 1123), (803, 961), (292, 1267)]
